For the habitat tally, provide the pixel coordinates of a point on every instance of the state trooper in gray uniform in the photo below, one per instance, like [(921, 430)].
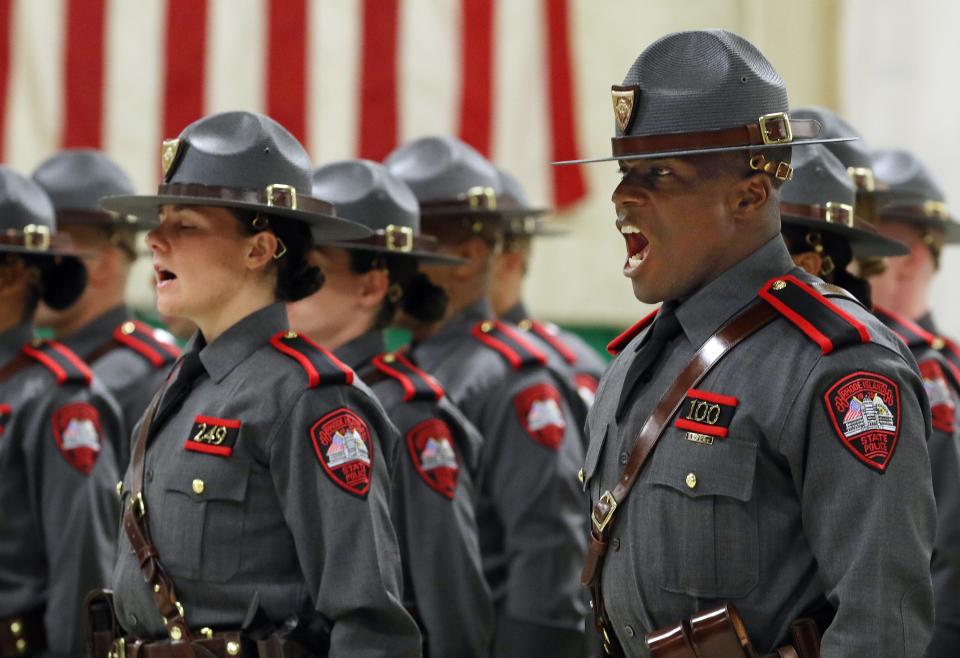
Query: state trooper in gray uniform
[(531, 528), (257, 498), (524, 223), (58, 505), (369, 283), (784, 473), (128, 356)]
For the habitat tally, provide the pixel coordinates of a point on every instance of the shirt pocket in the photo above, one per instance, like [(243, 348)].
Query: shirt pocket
[(704, 522), (203, 519)]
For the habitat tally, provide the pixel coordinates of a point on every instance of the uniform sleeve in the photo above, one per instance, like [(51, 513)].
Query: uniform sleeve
[(533, 452), (856, 440), (438, 529), (74, 478), (332, 480)]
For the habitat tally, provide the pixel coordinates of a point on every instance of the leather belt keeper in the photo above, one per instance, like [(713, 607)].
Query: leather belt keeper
[(22, 635)]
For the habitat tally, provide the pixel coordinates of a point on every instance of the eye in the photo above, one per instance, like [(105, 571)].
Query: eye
[(660, 172)]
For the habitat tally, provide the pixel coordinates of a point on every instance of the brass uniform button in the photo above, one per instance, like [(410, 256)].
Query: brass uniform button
[(233, 648), (486, 327), (198, 486), (120, 488), (128, 328), (21, 646), (290, 334), (779, 285), (206, 632), (580, 476), (176, 633), (938, 343), (389, 358), (16, 627), (526, 325), (691, 480)]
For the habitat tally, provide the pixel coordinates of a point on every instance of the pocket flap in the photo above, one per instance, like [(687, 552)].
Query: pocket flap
[(207, 482), (724, 469)]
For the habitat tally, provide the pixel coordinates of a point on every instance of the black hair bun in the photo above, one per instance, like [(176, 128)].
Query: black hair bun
[(423, 300), (62, 281), (300, 282)]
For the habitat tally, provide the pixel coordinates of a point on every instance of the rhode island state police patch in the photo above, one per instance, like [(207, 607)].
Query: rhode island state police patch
[(342, 442), (864, 408)]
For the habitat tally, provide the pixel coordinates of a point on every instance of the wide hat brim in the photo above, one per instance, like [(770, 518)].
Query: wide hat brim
[(329, 226), (538, 227), (420, 255), (88, 217), (863, 243), (702, 151), (949, 225), (51, 252)]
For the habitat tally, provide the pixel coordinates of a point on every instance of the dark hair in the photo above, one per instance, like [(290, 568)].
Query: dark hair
[(837, 249), (410, 289), (296, 277), (56, 280)]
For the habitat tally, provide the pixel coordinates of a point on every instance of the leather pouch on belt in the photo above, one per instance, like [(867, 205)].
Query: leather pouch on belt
[(101, 625)]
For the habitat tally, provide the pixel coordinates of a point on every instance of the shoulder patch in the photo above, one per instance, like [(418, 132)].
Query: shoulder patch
[(417, 385), (864, 409), (141, 339), (507, 341), (342, 442), (433, 451), (550, 334), (59, 359), (5, 412), (321, 366), (817, 317), (540, 413), (943, 409), (587, 385), (616, 345), (951, 351), (76, 428)]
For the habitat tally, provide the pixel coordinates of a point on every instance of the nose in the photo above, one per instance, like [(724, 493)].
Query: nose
[(156, 240), (627, 192)]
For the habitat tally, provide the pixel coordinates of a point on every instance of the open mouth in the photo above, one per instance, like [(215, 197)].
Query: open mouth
[(638, 248), (164, 276)]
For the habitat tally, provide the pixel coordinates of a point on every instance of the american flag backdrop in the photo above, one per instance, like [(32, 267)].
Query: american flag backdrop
[(350, 78)]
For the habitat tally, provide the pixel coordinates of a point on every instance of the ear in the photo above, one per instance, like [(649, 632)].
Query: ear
[(260, 250), (373, 288), (811, 261), (750, 196)]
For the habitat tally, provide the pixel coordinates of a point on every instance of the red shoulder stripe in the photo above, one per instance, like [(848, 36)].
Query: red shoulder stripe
[(508, 343), (615, 346), (416, 383), (554, 341), (909, 332), (139, 338), (61, 361), (321, 366)]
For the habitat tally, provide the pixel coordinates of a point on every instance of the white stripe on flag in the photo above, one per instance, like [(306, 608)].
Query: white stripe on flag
[(236, 56)]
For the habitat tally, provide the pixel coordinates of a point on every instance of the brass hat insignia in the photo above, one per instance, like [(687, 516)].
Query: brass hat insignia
[(624, 105), (168, 155)]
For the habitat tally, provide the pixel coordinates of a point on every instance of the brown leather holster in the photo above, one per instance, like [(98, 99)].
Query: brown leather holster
[(22, 635)]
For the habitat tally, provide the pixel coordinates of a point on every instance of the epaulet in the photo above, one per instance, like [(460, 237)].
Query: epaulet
[(508, 342), (59, 359), (321, 366), (909, 332), (951, 353), (817, 317), (616, 345), (141, 339), (417, 385), (550, 335)]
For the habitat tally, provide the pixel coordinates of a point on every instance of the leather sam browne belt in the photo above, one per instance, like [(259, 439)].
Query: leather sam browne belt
[(22, 635), (752, 319)]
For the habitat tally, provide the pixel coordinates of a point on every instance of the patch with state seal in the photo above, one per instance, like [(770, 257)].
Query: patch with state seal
[(342, 442), (864, 409), (943, 409), (434, 454), (76, 427), (541, 414)]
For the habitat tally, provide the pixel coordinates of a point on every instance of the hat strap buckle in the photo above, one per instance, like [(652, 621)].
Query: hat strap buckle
[(36, 237), (779, 170), (399, 238)]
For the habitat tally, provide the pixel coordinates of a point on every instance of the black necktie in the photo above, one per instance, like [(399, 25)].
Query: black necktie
[(665, 329), (190, 370)]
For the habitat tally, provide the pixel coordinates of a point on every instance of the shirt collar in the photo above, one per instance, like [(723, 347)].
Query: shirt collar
[(926, 321), (95, 333), (709, 308), (361, 350), (12, 341), (516, 313), (463, 322), (241, 340)]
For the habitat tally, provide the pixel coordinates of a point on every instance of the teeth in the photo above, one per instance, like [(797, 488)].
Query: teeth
[(627, 229), (635, 260)]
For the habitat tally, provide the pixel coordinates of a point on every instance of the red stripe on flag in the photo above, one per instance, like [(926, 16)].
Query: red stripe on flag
[(286, 81), (378, 79), (568, 182), (6, 27), (83, 74), (476, 74), (183, 76)]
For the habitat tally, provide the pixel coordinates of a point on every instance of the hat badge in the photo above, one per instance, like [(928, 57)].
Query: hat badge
[(168, 155), (624, 105)]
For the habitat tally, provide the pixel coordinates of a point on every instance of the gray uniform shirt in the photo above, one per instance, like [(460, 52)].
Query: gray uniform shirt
[(779, 517), (58, 502), (274, 521), (433, 511), (129, 376), (530, 516)]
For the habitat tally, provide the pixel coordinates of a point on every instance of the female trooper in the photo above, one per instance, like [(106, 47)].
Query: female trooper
[(368, 283), (58, 427), (256, 504)]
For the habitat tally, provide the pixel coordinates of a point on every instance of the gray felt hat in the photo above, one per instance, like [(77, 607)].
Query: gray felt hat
[(854, 155), (28, 222), (77, 179), (703, 91), (239, 160), (907, 191), (367, 193), (822, 195)]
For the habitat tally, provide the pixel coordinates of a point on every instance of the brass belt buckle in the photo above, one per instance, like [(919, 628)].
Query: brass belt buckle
[(601, 523), (118, 649)]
